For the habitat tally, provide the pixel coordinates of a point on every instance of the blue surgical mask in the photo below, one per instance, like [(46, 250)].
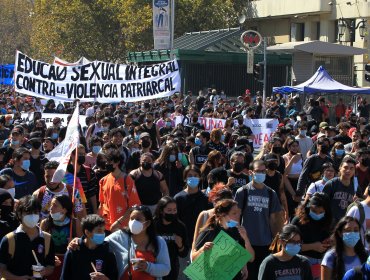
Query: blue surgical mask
[(198, 142), (231, 223), (292, 249), (54, 136), (339, 152), (350, 239), (259, 178), (193, 182), (168, 124), (26, 164), (325, 179), (15, 142), (98, 238), (172, 158), (315, 216), (96, 149)]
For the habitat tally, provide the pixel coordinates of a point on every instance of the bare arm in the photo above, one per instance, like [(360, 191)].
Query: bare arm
[(198, 226), (191, 157), (164, 188), (326, 273), (276, 222)]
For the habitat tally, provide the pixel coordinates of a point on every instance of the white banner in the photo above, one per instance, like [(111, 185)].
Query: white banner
[(48, 118), (66, 147), (81, 61), (261, 128), (96, 81), (161, 24)]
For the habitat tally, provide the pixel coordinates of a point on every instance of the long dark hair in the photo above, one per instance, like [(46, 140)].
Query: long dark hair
[(162, 203), (222, 207), (151, 232), (286, 233), (338, 268), (320, 200), (66, 203)]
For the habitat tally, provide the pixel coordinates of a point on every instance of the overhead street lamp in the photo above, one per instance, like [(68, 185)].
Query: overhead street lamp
[(350, 25)]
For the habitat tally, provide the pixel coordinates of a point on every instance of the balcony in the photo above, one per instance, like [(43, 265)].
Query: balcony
[(279, 8)]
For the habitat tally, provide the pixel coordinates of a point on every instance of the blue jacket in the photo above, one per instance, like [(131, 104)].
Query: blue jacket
[(119, 243)]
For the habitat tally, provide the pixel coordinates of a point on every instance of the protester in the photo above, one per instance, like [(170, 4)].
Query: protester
[(286, 262), (318, 186), (348, 250), (173, 231), (8, 221)]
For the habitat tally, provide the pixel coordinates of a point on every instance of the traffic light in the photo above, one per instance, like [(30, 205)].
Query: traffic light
[(258, 71), (367, 72)]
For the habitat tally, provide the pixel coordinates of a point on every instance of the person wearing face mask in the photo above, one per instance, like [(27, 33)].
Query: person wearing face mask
[(285, 262), (363, 167), (59, 225), (24, 180), (173, 231), (348, 251), (313, 218), (242, 129), (171, 167), (4, 131), (8, 221), (216, 141), (37, 158), (16, 256), (312, 167), (117, 192), (16, 140), (236, 173), (305, 142), (259, 202), (96, 143), (276, 148), (150, 184), (7, 183), (226, 217), (317, 187), (198, 155), (93, 260), (343, 134), (150, 127)]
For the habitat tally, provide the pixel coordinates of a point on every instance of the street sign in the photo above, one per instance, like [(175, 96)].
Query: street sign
[(251, 39), (250, 61)]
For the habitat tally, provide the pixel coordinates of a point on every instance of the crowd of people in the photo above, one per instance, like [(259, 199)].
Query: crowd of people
[(151, 194)]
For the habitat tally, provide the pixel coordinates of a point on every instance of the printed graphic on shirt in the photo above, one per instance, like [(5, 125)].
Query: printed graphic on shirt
[(344, 198), (288, 274), (168, 237), (258, 202), (99, 265)]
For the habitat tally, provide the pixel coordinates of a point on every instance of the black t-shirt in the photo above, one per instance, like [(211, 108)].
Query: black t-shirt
[(189, 207), (313, 231), (148, 188), (37, 167), (240, 180), (298, 268), (168, 232), (77, 264), (274, 182)]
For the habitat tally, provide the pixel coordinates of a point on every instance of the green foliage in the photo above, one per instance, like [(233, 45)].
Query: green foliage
[(15, 28)]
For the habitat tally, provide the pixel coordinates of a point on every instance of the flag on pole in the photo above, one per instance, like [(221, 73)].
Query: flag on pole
[(62, 152)]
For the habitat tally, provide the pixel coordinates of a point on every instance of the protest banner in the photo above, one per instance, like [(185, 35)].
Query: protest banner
[(261, 128), (222, 262), (96, 81), (161, 24), (6, 74), (48, 118), (209, 123), (81, 61)]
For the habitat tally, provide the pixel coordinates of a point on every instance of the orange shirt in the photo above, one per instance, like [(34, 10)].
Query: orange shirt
[(115, 198), (141, 275)]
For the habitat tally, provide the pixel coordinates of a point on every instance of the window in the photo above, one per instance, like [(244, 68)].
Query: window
[(297, 32)]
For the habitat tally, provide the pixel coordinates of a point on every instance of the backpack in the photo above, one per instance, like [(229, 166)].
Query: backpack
[(11, 243), (361, 210), (245, 192)]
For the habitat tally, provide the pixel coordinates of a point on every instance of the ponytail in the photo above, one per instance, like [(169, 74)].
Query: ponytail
[(275, 245)]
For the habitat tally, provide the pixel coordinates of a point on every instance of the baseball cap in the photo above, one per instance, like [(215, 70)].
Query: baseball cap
[(323, 125), (144, 134)]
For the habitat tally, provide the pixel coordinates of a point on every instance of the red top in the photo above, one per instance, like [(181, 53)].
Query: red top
[(140, 275)]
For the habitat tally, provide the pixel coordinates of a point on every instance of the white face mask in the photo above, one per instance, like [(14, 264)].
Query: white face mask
[(57, 216), (31, 220), (135, 226), (12, 192)]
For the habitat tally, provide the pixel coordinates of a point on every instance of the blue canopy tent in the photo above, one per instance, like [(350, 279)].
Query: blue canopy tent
[(321, 82)]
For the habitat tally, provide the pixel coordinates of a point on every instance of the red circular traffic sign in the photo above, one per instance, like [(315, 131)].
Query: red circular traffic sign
[(251, 39)]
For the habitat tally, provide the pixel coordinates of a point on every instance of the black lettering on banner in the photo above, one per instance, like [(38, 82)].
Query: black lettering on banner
[(148, 88), (20, 62), (146, 73), (95, 71), (131, 72), (76, 74), (139, 89), (155, 87), (85, 71), (154, 72), (118, 77)]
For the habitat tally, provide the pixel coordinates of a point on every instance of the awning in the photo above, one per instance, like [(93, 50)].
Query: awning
[(316, 47)]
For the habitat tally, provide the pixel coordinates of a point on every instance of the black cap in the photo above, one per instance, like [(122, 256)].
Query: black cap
[(35, 136)]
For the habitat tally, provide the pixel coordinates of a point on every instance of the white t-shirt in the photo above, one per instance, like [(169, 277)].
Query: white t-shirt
[(355, 213), (317, 186)]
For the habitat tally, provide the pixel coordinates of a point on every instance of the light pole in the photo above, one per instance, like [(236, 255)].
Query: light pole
[(350, 24)]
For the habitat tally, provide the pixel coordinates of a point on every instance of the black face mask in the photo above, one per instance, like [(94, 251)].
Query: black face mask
[(272, 165), (365, 162), (81, 160), (276, 150), (145, 144), (170, 217), (324, 149), (187, 149), (109, 167), (146, 165), (5, 211), (238, 167), (36, 145)]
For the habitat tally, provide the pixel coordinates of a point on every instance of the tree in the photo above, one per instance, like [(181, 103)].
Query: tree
[(15, 28)]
